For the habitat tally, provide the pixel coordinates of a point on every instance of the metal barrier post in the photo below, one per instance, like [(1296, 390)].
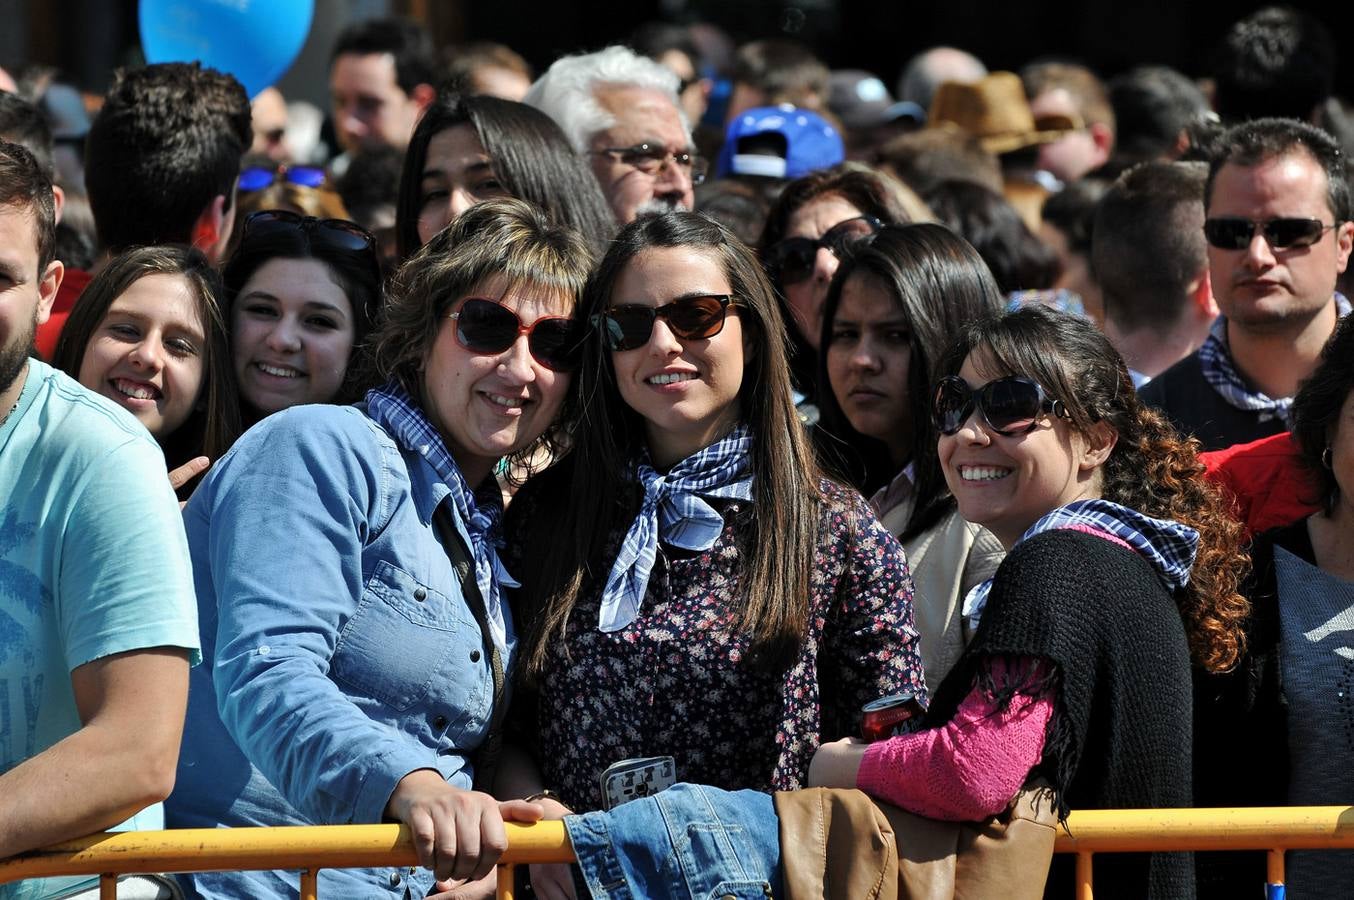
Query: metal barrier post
[(1085, 890), (1274, 865), (507, 872)]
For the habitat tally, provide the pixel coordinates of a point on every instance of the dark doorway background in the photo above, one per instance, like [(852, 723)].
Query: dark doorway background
[(87, 38)]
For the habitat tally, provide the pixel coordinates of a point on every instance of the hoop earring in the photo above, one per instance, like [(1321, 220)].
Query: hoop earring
[(1325, 457)]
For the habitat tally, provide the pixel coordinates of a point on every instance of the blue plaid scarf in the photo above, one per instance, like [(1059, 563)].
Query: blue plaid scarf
[(674, 511), (393, 409), (1215, 358), (1169, 546)]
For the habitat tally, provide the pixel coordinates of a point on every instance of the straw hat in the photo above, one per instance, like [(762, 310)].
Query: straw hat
[(995, 111)]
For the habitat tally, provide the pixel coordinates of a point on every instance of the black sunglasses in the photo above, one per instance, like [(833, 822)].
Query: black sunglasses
[(336, 232), (1010, 405), (1234, 233), (629, 326), (791, 260), (487, 326)]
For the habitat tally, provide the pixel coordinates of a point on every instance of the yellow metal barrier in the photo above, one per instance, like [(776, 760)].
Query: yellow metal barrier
[(342, 846)]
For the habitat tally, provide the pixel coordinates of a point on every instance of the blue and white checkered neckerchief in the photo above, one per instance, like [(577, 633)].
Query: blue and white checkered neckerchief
[(392, 408), (674, 511), (1169, 546), (1215, 358)]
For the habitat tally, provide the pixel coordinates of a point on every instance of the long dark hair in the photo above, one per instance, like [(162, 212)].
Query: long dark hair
[(357, 273), (530, 155), (940, 284), (870, 191), (215, 421), (1151, 469), (1317, 406), (601, 492)]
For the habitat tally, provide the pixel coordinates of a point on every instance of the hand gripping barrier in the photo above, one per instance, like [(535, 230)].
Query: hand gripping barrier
[(312, 848)]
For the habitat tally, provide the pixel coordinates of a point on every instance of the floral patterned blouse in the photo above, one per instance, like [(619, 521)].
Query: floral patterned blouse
[(681, 681)]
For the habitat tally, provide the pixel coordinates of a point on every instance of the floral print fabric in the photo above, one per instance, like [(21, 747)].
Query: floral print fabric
[(682, 681)]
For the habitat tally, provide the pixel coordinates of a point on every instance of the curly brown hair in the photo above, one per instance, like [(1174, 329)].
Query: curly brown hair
[(1151, 468)]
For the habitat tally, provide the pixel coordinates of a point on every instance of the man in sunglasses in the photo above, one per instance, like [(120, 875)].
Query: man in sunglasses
[(1278, 228), (620, 110)]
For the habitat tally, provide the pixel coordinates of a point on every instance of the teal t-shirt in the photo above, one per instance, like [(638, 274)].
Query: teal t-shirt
[(93, 561)]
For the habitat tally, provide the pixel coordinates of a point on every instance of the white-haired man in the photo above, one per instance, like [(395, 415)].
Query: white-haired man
[(621, 110)]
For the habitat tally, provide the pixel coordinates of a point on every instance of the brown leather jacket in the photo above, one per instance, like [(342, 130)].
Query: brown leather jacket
[(841, 844)]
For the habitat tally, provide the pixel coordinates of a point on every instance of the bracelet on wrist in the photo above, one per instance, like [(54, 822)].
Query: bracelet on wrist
[(546, 795)]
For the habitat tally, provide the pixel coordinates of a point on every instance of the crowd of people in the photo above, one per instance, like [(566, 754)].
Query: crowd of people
[(597, 444)]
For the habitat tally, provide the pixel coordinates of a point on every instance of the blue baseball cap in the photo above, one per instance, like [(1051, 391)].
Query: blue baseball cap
[(779, 142)]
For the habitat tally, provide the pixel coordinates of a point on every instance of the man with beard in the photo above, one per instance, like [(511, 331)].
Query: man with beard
[(621, 111), (97, 617), (1277, 207)]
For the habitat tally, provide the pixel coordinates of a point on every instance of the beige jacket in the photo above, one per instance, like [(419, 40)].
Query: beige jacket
[(841, 845), (947, 560)]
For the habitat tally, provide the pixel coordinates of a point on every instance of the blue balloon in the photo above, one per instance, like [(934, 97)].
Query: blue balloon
[(254, 40)]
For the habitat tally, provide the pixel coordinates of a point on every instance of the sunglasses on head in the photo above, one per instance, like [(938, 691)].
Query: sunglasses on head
[(1234, 233), (792, 260), (335, 232), (1010, 405), (487, 326), (256, 178), (629, 326)]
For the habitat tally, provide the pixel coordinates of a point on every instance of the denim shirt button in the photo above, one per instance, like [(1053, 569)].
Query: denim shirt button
[(474, 656), (420, 595), (440, 722), (395, 879)]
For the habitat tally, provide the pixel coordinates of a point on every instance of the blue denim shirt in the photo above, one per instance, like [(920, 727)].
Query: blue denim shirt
[(339, 654)]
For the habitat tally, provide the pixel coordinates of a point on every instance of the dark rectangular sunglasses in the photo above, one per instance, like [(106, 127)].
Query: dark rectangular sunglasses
[(791, 261), (628, 326), (1010, 405), (487, 326), (1235, 233), (336, 232)]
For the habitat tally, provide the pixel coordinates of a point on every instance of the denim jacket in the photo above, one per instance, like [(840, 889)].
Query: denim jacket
[(339, 654)]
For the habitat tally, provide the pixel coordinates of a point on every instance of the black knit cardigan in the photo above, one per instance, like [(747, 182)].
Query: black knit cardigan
[(1120, 736)]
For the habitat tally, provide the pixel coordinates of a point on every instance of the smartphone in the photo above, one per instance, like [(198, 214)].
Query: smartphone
[(631, 779)]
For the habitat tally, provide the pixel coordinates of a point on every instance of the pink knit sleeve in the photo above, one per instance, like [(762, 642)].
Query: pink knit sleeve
[(970, 767)]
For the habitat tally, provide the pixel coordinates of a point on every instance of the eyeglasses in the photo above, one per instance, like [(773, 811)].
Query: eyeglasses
[(650, 158), (337, 232), (487, 326), (1010, 405), (792, 260), (629, 326), (256, 178), (1234, 233)]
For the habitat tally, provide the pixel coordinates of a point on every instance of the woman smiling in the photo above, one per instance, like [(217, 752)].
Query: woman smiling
[(357, 649), (148, 333), (693, 586), (1121, 569)]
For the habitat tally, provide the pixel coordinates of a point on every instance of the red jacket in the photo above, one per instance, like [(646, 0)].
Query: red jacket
[(72, 286), (1267, 481)]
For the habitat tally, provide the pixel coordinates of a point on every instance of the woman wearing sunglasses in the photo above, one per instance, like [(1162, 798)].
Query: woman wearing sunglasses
[(896, 302), (807, 231), (694, 587), (467, 149), (149, 334), (304, 190), (1121, 570), (303, 293), (358, 647)]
